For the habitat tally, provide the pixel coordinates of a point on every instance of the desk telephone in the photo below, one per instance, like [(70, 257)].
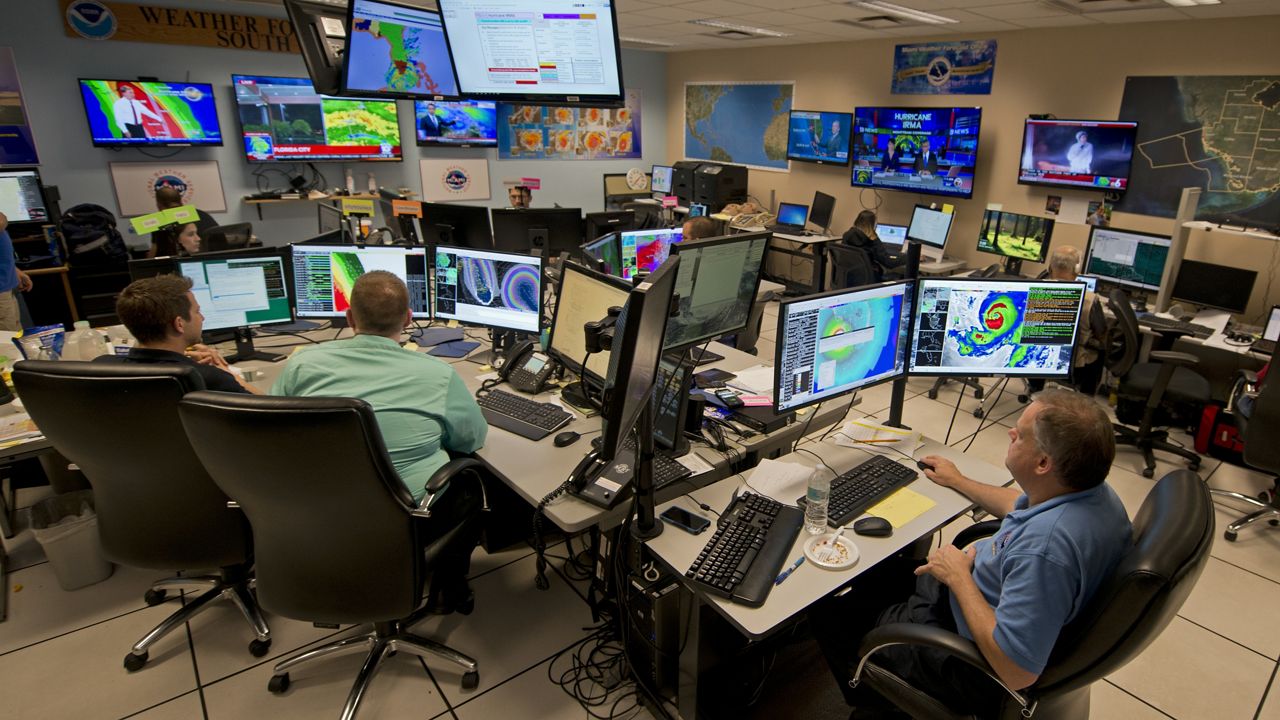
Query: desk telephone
[(525, 368)]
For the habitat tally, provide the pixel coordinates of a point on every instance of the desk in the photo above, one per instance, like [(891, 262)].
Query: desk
[(945, 266), (802, 246), (677, 551)]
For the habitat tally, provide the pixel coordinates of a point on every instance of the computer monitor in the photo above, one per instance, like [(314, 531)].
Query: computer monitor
[(239, 289), (493, 289), (930, 228), (895, 235), (976, 327), (645, 250), (21, 197), (819, 137), (697, 210), (671, 403), (547, 231), (1089, 281), (834, 343), (396, 50), (285, 119), (1087, 154), (595, 224), (1126, 257), (460, 123), (584, 296), (917, 150), (1014, 236), (136, 113), (457, 225), (716, 285), (793, 214), (820, 212), (605, 254), (1214, 286), (661, 182), (330, 217), (324, 276), (1272, 330)]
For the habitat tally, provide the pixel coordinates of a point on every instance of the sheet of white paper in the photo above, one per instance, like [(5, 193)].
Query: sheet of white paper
[(696, 464), (758, 379), (1074, 210), (870, 436), (1216, 319), (781, 481)]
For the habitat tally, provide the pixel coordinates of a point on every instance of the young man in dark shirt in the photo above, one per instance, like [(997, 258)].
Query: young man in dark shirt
[(165, 319)]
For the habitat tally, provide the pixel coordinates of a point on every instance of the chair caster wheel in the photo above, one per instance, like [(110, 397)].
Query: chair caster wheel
[(1024, 399), (258, 648), (1193, 467), (134, 663), (471, 680), (1273, 522), (933, 394), (978, 413), (1148, 472), (977, 394), (278, 684), (154, 597), (541, 582), (1230, 536)]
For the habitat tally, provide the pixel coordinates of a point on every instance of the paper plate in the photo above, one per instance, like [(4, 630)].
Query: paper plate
[(819, 551)]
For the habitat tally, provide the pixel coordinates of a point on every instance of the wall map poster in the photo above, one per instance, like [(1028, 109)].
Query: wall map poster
[(1218, 133), (535, 132), (744, 123)]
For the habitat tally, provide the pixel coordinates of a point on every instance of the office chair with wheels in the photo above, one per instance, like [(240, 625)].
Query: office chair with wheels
[(157, 507), (337, 535), (1163, 386), (1172, 533), (851, 266), (1259, 429), (648, 215)]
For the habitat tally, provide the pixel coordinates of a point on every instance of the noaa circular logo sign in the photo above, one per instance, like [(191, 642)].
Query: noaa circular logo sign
[(174, 181), (939, 71), (456, 179), (91, 20)]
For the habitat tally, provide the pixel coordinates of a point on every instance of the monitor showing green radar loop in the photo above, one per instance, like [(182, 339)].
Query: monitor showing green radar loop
[(1128, 258), (975, 327), (834, 343)]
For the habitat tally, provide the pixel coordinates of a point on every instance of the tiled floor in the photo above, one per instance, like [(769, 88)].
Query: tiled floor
[(61, 652)]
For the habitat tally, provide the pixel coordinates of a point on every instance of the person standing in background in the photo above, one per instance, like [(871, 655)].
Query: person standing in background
[(12, 280)]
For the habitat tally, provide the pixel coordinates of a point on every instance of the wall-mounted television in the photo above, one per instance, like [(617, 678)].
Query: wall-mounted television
[(283, 119), (464, 123), (1089, 154), (396, 50), (819, 137), (920, 150), (150, 114), (545, 52)]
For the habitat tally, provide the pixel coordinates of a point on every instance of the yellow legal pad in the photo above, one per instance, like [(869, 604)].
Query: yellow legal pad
[(901, 507)]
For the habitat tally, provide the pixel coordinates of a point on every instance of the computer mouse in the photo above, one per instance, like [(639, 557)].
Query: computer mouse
[(873, 527), (924, 465), (566, 438)]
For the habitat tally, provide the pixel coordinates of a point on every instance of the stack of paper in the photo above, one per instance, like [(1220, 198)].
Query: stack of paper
[(867, 434)]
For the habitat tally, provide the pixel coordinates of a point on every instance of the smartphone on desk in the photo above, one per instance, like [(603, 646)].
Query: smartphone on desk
[(685, 520)]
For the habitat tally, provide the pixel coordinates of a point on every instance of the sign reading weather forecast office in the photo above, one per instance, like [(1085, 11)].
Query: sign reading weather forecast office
[(961, 67), (94, 20)]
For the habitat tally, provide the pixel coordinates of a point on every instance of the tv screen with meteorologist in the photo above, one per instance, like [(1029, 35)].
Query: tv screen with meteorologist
[(134, 112)]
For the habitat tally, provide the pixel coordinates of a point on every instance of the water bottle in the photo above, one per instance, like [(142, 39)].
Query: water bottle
[(96, 346), (84, 343), (815, 501)]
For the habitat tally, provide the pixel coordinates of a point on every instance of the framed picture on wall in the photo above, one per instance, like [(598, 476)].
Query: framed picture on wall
[(200, 183)]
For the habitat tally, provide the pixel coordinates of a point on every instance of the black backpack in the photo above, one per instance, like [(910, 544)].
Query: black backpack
[(91, 236)]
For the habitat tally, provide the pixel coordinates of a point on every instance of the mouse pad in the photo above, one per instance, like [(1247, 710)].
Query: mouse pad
[(456, 349), (436, 336)]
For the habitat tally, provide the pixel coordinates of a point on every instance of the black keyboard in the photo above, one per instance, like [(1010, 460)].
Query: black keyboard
[(1158, 323), (863, 486), (522, 416), (742, 559), (666, 469)]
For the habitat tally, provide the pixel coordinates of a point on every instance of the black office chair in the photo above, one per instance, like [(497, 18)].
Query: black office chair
[(227, 237), (1173, 534), (648, 215), (850, 266), (337, 534), (157, 507), (1260, 430), (1151, 393)]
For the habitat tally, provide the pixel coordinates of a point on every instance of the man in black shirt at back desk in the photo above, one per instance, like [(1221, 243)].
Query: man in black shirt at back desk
[(165, 319)]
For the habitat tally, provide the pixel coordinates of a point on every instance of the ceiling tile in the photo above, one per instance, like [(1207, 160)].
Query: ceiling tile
[(1055, 21), (782, 4), (717, 8), (1018, 11), (1235, 8), (628, 21), (840, 30), (672, 14), (1131, 16)]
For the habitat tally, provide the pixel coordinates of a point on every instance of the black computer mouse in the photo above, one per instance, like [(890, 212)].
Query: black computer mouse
[(873, 527), (568, 437), (923, 465)]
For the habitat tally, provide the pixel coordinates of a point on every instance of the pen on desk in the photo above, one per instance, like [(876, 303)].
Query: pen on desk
[(882, 440), (787, 573)]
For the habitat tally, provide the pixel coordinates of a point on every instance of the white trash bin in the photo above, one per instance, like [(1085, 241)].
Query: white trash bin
[(67, 528)]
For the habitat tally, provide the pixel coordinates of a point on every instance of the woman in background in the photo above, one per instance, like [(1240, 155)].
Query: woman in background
[(863, 235)]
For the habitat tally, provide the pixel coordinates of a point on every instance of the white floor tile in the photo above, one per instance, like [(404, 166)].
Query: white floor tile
[(1108, 702), (186, 707), (81, 675), (482, 562), (221, 638), (1189, 672), (932, 418), (401, 689), (1271, 708), (1236, 603)]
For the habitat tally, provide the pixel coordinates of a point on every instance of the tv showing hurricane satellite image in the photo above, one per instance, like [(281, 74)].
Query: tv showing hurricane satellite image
[(1216, 133), (995, 327), (397, 50)]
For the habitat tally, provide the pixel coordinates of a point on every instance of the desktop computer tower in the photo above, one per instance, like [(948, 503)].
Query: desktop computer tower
[(654, 640), (718, 185), (682, 179)]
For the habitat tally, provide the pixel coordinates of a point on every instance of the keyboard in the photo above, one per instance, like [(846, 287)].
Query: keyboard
[(742, 559), (865, 485), (1159, 323), (666, 469), (522, 416)]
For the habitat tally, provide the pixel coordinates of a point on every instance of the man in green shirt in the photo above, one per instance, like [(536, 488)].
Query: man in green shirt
[(423, 408)]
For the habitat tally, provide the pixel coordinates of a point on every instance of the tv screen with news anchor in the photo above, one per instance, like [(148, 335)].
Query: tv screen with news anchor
[(920, 150), (1085, 154), (284, 119)]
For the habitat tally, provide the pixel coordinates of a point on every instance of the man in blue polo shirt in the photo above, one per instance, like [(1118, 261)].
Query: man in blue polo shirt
[(12, 280), (1063, 532)]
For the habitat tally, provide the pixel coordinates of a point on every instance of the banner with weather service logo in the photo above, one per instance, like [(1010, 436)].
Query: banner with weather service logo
[(961, 67), (454, 179)]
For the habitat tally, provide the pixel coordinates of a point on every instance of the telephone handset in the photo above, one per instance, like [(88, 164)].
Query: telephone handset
[(525, 368)]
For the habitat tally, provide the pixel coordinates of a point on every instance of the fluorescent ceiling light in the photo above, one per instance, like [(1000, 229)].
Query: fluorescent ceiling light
[(905, 12), (740, 28), (1192, 3), (642, 41)]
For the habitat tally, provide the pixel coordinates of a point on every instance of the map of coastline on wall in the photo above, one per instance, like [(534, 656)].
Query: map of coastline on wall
[(535, 132), (1217, 133), (744, 123)]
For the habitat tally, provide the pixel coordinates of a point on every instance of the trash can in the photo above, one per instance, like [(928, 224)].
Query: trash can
[(67, 528)]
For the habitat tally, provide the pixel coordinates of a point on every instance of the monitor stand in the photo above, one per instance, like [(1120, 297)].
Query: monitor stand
[(1013, 267), (577, 394), (502, 342), (246, 351), (702, 356)]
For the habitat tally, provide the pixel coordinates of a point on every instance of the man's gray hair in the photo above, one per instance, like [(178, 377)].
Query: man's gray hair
[(1064, 259), (1076, 434)]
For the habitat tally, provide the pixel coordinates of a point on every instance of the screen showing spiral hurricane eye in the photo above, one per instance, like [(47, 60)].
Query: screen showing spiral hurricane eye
[(494, 289), (324, 276)]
